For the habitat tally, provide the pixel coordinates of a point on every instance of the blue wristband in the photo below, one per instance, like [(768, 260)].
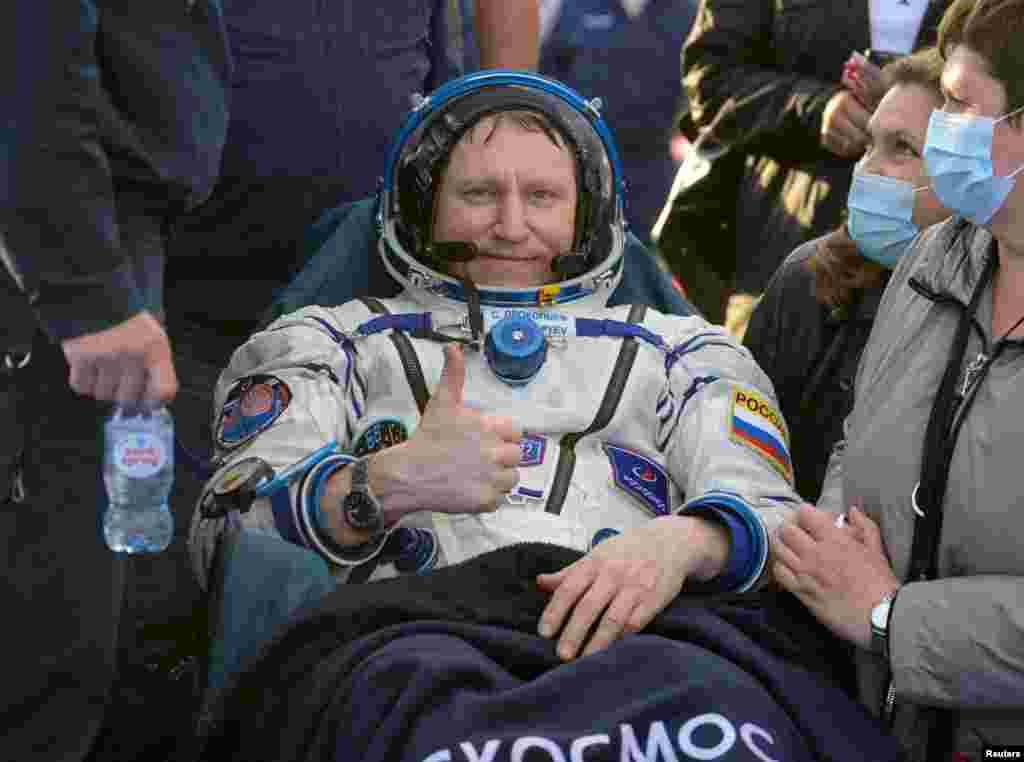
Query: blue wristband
[(748, 542), (313, 519), (317, 479)]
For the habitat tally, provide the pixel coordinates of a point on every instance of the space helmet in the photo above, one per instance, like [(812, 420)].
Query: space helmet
[(419, 154)]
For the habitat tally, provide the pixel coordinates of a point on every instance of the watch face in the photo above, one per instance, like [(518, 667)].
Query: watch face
[(361, 512), (880, 615)]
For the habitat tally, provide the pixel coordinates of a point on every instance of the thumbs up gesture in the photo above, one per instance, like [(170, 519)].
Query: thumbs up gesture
[(458, 460)]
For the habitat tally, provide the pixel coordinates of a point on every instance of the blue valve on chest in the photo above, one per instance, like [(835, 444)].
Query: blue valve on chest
[(516, 349)]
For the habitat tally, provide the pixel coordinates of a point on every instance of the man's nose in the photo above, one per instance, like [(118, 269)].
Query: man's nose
[(512, 218)]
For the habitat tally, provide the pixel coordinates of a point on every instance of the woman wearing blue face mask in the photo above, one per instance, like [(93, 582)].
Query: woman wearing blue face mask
[(925, 574), (809, 329)]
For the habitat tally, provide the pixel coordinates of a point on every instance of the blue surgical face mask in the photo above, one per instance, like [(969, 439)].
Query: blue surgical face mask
[(880, 216), (958, 158)]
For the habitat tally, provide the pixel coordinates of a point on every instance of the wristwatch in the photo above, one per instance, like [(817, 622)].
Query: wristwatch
[(880, 616), (360, 508)]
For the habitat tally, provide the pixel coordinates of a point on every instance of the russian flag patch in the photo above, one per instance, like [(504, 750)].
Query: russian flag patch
[(757, 425)]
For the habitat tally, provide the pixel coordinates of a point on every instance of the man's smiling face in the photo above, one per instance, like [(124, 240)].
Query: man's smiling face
[(510, 189)]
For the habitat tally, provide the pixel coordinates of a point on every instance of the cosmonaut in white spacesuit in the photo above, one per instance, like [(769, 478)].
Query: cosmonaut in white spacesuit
[(498, 400)]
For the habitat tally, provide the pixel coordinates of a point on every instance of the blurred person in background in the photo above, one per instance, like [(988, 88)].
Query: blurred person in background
[(780, 62), (809, 330), (925, 575), (620, 48), (115, 115), (318, 90)]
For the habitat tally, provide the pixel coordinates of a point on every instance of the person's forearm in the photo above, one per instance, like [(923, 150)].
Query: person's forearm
[(778, 112), (711, 540), (389, 481), (506, 33), (61, 222), (959, 641)]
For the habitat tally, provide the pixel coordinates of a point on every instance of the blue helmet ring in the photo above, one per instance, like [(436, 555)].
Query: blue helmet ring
[(419, 155)]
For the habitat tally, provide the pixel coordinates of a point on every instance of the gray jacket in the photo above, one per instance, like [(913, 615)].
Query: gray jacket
[(958, 641)]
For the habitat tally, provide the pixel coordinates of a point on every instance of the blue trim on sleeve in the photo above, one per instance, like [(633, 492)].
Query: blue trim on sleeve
[(281, 508), (748, 552), (312, 519), (317, 479), (594, 327), (414, 322), (286, 518)]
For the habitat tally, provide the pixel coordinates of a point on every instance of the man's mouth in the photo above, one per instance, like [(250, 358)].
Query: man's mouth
[(505, 257)]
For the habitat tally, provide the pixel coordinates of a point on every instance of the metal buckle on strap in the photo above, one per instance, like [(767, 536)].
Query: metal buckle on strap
[(18, 486), (16, 478), (16, 360), (913, 501)]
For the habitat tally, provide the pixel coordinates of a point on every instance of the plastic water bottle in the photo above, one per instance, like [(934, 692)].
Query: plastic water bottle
[(138, 469)]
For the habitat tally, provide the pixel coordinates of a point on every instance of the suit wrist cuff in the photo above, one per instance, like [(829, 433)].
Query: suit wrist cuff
[(313, 523), (748, 541)]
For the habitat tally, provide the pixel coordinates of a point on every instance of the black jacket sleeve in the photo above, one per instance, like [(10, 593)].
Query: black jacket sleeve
[(731, 54), (116, 116), (61, 223)]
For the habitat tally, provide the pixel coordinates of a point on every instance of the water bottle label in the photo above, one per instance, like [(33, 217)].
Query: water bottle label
[(140, 455)]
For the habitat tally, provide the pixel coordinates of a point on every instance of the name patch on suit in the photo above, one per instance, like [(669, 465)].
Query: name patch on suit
[(379, 435), (755, 424), (252, 406), (640, 477)]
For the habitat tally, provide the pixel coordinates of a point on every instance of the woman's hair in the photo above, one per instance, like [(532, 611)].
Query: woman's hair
[(994, 29), (838, 268)]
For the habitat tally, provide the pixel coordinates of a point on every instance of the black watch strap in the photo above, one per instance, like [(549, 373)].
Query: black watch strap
[(361, 476), (360, 508)]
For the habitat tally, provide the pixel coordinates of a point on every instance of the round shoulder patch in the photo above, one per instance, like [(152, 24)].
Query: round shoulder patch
[(386, 432), (252, 406)]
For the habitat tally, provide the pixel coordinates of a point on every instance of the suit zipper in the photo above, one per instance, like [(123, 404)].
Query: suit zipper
[(609, 404)]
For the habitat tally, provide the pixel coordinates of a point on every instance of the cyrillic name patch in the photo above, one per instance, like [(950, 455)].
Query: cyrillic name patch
[(252, 406), (755, 424), (640, 477), (379, 435), (533, 447)]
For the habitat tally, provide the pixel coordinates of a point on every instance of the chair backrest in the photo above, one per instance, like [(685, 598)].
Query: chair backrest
[(344, 265)]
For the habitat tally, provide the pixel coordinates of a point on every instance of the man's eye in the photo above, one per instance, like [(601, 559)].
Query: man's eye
[(477, 194)]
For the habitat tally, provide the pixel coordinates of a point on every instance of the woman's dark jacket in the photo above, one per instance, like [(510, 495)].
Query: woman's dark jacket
[(781, 61), (810, 353)]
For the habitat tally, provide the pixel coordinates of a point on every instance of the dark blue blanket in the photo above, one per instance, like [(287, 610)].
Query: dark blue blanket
[(446, 668)]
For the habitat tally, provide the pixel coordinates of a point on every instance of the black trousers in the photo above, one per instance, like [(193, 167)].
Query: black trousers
[(60, 587)]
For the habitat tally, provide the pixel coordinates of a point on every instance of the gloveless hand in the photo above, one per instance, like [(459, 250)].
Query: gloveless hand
[(457, 461), (130, 364), (627, 580), (840, 573)]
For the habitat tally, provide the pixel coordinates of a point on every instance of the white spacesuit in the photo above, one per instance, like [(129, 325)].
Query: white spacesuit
[(626, 414)]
